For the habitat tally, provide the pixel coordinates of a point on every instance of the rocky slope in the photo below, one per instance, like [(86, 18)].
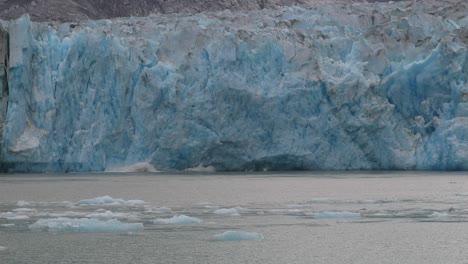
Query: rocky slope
[(78, 10)]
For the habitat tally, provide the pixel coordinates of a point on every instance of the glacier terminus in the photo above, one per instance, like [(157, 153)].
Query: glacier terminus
[(334, 87)]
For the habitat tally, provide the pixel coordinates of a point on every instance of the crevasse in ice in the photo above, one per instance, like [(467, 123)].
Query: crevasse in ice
[(357, 86)]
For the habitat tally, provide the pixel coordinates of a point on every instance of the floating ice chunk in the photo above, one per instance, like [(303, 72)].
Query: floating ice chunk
[(61, 214), (18, 217), (200, 168), (107, 200), (24, 210), (159, 210), (373, 201), (107, 215), (227, 211), (461, 194), (439, 215), (322, 200), (7, 225), (3, 248), (137, 167), (22, 203), (83, 225), (237, 236), (287, 211), (178, 219), (343, 214)]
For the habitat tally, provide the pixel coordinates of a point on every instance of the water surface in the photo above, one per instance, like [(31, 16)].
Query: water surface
[(302, 217)]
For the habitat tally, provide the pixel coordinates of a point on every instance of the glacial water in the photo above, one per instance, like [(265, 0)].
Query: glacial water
[(306, 217)]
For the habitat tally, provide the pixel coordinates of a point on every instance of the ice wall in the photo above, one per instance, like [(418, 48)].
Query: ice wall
[(361, 86)]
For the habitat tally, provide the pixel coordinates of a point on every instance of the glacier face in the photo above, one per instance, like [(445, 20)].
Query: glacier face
[(358, 86)]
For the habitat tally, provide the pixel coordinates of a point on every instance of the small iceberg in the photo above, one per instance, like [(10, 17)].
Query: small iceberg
[(237, 236), (24, 210), (439, 215), (344, 214), (108, 215), (107, 200), (83, 225), (158, 210), (322, 200), (227, 211), (18, 217), (178, 220), (23, 203)]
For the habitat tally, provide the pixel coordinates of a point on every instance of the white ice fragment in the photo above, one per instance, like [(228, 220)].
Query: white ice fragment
[(159, 210), (3, 248), (24, 210), (137, 167), (61, 214), (200, 168), (343, 214), (237, 236), (30, 138), (7, 225), (83, 225), (178, 219), (107, 200), (18, 217), (286, 211), (107, 215), (227, 211), (461, 194), (22, 203), (439, 215), (321, 200)]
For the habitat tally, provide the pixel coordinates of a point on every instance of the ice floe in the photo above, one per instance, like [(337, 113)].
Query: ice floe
[(287, 211), (158, 210), (343, 214), (24, 210), (108, 215), (22, 203), (178, 219), (3, 248), (237, 236), (107, 200), (322, 200), (14, 216), (83, 225), (439, 215), (226, 211)]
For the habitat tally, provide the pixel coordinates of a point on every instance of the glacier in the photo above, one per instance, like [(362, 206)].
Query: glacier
[(332, 87)]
